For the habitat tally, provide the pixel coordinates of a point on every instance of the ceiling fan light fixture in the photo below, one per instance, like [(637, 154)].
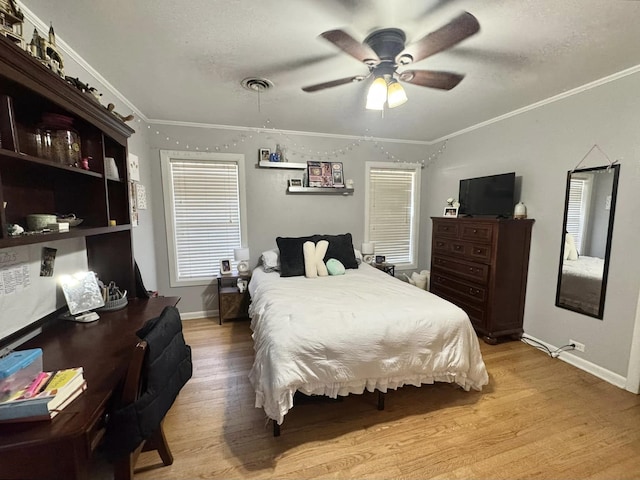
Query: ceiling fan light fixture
[(377, 94), (396, 95)]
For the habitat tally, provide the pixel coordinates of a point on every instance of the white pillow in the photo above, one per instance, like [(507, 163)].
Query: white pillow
[(570, 250), (271, 260)]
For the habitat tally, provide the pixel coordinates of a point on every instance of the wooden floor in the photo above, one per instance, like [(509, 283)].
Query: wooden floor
[(538, 418)]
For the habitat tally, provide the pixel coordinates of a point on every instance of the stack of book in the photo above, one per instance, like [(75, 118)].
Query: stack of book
[(44, 397)]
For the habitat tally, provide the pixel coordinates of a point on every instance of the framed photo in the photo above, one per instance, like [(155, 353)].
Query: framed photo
[(263, 156), (225, 266), (450, 211), (381, 259), (314, 173), (337, 174), (295, 182)]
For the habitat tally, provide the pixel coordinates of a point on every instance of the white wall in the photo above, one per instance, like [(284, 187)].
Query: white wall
[(541, 146)]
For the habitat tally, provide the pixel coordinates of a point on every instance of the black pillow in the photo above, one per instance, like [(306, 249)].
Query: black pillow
[(340, 248), (292, 255)]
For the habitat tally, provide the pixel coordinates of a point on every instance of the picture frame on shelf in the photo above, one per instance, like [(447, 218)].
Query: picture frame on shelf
[(450, 211), (338, 174), (225, 266), (380, 259), (263, 155), (295, 182), (314, 173)]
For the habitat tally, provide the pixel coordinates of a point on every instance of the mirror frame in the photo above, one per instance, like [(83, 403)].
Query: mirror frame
[(607, 255)]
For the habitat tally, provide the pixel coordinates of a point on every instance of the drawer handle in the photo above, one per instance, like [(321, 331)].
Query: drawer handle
[(471, 269), (440, 244), (445, 228), (458, 247), (475, 231), (473, 292), (477, 250)]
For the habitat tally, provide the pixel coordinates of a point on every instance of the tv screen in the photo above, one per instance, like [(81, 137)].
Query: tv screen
[(488, 196)]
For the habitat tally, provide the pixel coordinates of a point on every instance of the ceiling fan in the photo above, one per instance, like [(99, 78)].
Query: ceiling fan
[(384, 51)]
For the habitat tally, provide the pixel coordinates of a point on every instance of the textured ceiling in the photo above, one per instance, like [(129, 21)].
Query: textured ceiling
[(184, 61)]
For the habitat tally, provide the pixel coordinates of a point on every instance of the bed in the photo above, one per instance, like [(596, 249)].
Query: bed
[(582, 283), (338, 335)]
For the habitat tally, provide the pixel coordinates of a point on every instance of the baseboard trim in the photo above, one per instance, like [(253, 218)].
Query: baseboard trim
[(596, 370), (198, 315)]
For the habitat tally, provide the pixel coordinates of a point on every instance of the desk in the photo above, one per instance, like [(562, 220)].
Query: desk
[(63, 447)]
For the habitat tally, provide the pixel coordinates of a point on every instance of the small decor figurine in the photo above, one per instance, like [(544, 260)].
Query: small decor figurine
[(14, 230), (11, 20), (46, 51), (111, 107)]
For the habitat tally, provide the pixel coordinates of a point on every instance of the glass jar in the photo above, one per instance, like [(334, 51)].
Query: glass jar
[(57, 140)]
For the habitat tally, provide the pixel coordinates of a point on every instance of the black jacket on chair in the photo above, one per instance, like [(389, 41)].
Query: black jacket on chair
[(167, 368)]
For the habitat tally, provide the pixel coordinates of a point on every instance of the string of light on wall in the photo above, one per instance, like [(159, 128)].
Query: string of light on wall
[(296, 150)]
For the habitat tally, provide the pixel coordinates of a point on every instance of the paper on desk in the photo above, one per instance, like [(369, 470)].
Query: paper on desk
[(14, 271)]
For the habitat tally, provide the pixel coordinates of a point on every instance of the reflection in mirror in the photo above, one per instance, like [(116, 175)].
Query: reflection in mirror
[(586, 241)]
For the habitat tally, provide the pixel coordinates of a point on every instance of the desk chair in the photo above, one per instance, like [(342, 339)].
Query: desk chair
[(161, 365)]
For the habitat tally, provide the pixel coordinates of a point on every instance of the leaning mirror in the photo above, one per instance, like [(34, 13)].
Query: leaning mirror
[(589, 209)]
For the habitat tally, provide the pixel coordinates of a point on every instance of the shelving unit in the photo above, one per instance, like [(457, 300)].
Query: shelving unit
[(283, 165), (30, 184), (320, 190)]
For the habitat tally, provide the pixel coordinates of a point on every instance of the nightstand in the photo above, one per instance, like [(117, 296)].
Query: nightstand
[(231, 302), (389, 268)]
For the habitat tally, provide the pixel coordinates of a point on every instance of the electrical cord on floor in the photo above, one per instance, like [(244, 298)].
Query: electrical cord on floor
[(541, 346)]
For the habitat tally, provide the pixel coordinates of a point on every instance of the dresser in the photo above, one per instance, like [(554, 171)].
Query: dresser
[(480, 264)]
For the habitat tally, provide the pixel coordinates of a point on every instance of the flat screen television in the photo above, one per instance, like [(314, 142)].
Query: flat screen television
[(487, 196)]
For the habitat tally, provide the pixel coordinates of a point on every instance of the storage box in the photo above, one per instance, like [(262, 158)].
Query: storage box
[(18, 369)]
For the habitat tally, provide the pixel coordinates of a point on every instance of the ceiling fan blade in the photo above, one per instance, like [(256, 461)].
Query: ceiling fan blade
[(431, 79), (461, 27), (333, 83), (348, 44)]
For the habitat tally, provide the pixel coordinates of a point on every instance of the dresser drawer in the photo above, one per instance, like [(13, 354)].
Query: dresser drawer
[(478, 272), (477, 314), (458, 288), (446, 229), (476, 232), (470, 251)]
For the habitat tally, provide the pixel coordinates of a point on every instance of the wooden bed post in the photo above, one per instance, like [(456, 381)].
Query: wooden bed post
[(276, 429), (380, 400)]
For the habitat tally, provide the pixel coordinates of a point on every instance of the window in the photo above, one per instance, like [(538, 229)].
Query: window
[(392, 199), (204, 212), (578, 209)]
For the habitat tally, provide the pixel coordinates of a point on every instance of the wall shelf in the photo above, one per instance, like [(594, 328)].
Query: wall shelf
[(285, 165), (320, 190)]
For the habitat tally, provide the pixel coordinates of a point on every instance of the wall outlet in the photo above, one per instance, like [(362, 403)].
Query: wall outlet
[(579, 346)]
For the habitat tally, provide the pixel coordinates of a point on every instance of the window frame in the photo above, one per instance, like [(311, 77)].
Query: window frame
[(584, 207), (415, 221), (166, 157)]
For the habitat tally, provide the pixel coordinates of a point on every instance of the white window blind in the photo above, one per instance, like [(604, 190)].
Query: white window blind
[(577, 209), (392, 200), (203, 205)]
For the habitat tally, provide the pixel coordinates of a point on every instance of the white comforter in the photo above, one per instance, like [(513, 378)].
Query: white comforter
[(341, 334), (581, 284)]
